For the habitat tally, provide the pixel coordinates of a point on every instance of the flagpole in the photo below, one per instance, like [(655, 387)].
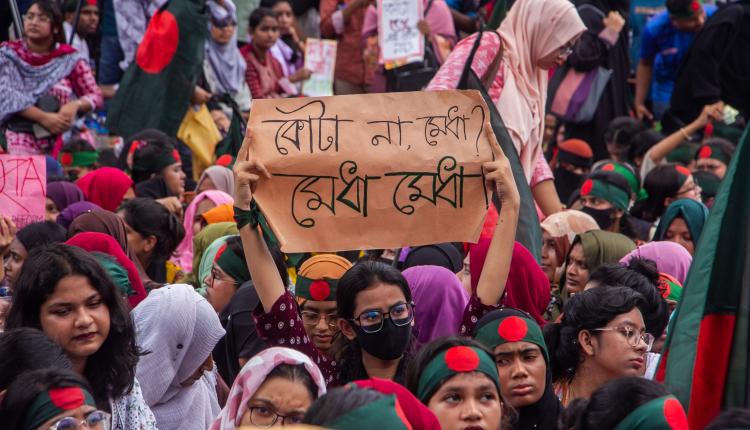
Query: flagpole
[(17, 22), (79, 5)]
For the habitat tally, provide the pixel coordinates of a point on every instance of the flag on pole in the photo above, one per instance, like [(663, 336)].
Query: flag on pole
[(705, 359)]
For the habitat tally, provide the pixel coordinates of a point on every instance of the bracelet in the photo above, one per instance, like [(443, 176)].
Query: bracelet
[(684, 133)]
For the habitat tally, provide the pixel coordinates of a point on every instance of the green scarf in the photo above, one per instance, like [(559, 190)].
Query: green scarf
[(512, 328), (117, 274), (53, 402), (622, 170), (693, 212), (602, 247), (606, 191), (664, 413), (385, 413), (454, 360)]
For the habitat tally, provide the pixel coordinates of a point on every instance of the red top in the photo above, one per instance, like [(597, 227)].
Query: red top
[(350, 66)]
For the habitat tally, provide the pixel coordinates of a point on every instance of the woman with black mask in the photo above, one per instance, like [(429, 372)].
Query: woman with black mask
[(571, 163)]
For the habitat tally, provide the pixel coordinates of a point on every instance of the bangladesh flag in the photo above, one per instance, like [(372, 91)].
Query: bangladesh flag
[(705, 361), (156, 89)]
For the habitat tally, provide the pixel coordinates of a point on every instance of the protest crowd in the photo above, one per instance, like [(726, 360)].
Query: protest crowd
[(590, 271)]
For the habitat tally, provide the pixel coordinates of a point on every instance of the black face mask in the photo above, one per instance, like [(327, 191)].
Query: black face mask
[(603, 217), (387, 344), (566, 182)]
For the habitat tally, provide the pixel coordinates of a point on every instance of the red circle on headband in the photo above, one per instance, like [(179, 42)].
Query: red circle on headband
[(674, 414), (695, 6), (513, 329), (683, 170), (225, 160), (67, 398), (159, 43), (461, 359), (609, 167), (586, 187), (705, 152), (319, 290), (66, 159)]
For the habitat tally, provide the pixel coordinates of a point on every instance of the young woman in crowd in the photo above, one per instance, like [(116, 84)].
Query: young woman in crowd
[(534, 37), (558, 232), (276, 387), (107, 187), (606, 196), (457, 379), (72, 300), (669, 257), (523, 366), (601, 337), (228, 272), (714, 156), (264, 74), (27, 239), (51, 399), (49, 83), (60, 195), (69, 214), (355, 408), (78, 157), (570, 164), (417, 414), (589, 251), (204, 242), (216, 178), (179, 329), (157, 168), (682, 222), (289, 49), (153, 235), (627, 404), (183, 256), (665, 184)]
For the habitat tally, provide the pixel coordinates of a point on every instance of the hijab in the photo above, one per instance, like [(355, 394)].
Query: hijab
[(222, 178), (105, 186), (207, 261), (203, 239), (564, 226), (72, 212), (221, 213), (693, 212), (532, 30), (53, 168), (63, 194), (543, 414), (418, 415), (184, 254), (180, 329), (670, 258), (443, 254), (527, 287), (603, 247), (440, 300), (101, 242), (254, 374), (225, 60)]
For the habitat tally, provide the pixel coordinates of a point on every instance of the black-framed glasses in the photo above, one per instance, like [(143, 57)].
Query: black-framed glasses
[(400, 315), (96, 420), (216, 276), (312, 318), (632, 335), (266, 417)]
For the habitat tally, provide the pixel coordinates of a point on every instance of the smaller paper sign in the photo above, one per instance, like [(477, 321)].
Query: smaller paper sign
[(398, 35), (23, 187), (320, 59)]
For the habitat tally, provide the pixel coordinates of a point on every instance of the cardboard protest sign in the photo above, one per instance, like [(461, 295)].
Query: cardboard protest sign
[(320, 59), (399, 38), (372, 171), (23, 187)]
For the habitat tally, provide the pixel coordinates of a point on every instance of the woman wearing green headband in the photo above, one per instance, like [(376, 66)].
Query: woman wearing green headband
[(457, 379), (665, 184), (630, 403), (714, 156)]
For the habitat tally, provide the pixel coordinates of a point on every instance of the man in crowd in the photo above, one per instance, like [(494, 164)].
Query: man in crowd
[(88, 23)]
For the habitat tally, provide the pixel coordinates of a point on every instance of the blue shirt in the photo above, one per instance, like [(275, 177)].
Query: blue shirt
[(640, 12), (664, 47)]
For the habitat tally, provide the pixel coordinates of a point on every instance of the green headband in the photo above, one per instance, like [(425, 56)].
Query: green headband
[(79, 158), (117, 274), (53, 402), (635, 186), (690, 12), (712, 150), (512, 329), (157, 162), (606, 191), (664, 413), (385, 413), (454, 360), (320, 290), (231, 263), (683, 173)]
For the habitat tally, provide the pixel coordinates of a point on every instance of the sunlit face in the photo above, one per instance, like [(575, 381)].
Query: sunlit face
[(679, 232), (285, 16), (277, 397), (467, 401), (577, 271), (522, 371), (174, 177), (50, 210), (712, 165), (266, 33), (75, 317)]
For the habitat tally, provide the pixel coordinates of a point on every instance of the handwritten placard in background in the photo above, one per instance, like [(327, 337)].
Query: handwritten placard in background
[(398, 35), (23, 187), (320, 59), (372, 171)]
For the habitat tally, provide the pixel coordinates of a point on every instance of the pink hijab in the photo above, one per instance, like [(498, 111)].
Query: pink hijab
[(670, 258), (183, 257), (253, 375), (532, 30)]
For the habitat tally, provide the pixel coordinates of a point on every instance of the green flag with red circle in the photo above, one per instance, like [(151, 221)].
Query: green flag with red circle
[(705, 358), (156, 89)]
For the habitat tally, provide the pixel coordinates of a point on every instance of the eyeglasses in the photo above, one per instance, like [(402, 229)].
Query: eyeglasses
[(37, 16), (565, 51), (400, 315), (265, 417), (632, 336), (216, 276), (97, 420), (694, 189), (312, 319)]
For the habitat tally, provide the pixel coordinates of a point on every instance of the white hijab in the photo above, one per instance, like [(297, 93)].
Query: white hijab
[(179, 328)]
